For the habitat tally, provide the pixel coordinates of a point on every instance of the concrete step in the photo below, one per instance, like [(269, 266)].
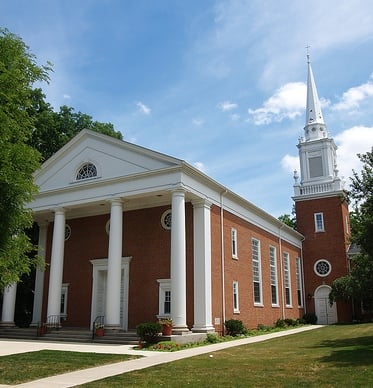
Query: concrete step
[(70, 335)]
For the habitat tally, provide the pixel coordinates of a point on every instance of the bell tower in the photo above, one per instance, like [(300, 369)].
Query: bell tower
[(321, 212)]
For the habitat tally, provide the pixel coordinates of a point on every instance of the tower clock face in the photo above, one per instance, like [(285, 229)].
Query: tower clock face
[(322, 267)]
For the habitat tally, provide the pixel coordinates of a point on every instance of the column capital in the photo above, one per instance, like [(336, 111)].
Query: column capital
[(201, 202), (59, 210)]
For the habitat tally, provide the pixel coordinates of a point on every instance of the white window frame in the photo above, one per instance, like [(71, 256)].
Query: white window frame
[(64, 299), (257, 270), (319, 222), (164, 286), (273, 273), (236, 303), (287, 279), (298, 276), (234, 243)]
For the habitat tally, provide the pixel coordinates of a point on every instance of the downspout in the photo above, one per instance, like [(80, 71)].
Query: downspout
[(222, 259), (282, 275)]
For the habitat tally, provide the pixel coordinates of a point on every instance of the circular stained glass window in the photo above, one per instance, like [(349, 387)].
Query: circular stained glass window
[(166, 219), (322, 267)]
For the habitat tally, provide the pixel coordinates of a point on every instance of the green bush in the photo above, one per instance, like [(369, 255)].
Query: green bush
[(212, 338), (280, 323), (262, 327), (310, 318), (235, 327), (149, 331)]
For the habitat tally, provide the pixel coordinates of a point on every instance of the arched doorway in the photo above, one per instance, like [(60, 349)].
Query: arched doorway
[(326, 314)]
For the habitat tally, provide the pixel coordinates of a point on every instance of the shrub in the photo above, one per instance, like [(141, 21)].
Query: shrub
[(213, 338), (262, 327), (291, 322), (149, 331), (280, 323), (310, 318), (235, 327), (166, 346)]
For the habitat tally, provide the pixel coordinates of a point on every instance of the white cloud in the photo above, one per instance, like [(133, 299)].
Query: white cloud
[(200, 166), (352, 141), (198, 122), (287, 102), (235, 117), (67, 96), (143, 108), (227, 106), (290, 163), (355, 96)]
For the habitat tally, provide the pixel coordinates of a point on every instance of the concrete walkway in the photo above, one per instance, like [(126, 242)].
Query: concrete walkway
[(72, 379)]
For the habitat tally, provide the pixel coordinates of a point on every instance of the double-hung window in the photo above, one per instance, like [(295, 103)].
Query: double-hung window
[(287, 281), (273, 273), (257, 271), (298, 275), (234, 243), (236, 305), (319, 222)]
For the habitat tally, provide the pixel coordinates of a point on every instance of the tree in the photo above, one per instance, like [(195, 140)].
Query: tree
[(18, 160), (289, 219), (358, 284), (54, 129)]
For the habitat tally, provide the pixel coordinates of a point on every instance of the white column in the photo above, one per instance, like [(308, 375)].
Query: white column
[(112, 306), (39, 276), (9, 303), (202, 267), (178, 262), (56, 267)]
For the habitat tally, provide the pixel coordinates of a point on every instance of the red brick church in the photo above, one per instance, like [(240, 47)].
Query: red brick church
[(134, 235)]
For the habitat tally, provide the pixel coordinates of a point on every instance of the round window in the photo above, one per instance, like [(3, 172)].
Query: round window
[(322, 267), (67, 232), (166, 219)]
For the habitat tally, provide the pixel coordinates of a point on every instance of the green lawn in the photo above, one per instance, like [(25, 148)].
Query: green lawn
[(333, 356), (19, 368)]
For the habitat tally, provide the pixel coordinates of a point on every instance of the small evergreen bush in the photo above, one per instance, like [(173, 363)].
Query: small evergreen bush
[(310, 318), (235, 327), (149, 331), (280, 323)]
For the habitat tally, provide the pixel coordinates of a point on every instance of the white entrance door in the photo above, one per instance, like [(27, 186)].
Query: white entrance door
[(99, 290), (326, 314)]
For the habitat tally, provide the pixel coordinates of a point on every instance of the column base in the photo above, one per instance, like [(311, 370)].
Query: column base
[(203, 329), (180, 330)]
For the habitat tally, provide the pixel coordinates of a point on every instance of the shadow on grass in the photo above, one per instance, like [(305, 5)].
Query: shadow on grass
[(349, 351)]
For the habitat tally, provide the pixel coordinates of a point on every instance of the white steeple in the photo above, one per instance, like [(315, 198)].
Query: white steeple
[(317, 152), (315, 127)]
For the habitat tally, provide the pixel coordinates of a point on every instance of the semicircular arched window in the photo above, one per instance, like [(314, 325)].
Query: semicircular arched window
[(88, 170)]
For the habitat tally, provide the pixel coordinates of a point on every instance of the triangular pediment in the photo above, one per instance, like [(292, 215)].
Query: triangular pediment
[(111, 157)]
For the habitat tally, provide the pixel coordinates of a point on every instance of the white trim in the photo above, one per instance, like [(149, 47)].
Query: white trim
[(273, 268), (319, 261), (234, 244), (236, 296), (287, 278), (102, 265), (164, 285), (319, 228), (259, 261)]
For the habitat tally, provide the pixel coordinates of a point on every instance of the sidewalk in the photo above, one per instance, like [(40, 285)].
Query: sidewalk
[(72, 379)]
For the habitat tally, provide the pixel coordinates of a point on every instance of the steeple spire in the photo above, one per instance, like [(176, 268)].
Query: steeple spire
[(315, 127)]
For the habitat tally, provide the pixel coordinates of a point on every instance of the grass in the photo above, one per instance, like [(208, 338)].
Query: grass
[(333, 356), (19, 368)]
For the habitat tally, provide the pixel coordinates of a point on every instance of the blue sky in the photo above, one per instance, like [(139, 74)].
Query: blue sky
[(220, 84)]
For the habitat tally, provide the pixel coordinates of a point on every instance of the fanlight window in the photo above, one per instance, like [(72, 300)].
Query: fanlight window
[(88, 170)]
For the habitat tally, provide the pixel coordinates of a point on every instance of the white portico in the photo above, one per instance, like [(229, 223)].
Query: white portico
[(95, 175)]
